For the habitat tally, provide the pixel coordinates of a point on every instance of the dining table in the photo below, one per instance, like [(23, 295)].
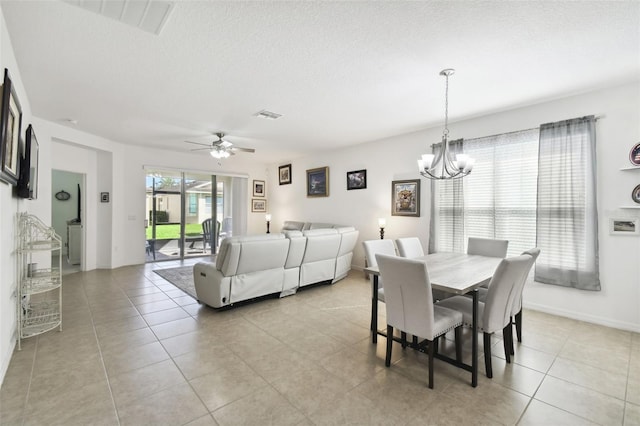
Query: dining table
[(455, 273)]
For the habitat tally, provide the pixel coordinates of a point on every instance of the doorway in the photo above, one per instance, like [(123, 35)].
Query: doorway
[(67, 216), (187, 214)]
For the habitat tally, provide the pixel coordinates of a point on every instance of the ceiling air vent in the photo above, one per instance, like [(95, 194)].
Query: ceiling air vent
[(268, 115)]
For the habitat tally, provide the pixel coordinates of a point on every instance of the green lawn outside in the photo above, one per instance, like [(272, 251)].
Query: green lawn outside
[(172, 232)]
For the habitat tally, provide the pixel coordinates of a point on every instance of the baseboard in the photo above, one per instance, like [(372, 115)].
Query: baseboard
[(6, 359), (580, 316)]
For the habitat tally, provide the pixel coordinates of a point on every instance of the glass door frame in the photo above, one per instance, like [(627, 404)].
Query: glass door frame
[(181, 238)]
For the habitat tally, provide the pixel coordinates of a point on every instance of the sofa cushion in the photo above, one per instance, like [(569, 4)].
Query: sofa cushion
[(292, 225), (222, 256), (319, 225)]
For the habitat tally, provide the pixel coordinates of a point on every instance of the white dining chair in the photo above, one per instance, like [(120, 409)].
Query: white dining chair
[(495, 313), (516, 307), (487, 247), (371, 248), (410, 306), (409, 247), (516, 310)]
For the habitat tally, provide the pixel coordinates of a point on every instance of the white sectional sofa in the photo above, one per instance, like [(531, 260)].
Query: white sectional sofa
[(253, 266)]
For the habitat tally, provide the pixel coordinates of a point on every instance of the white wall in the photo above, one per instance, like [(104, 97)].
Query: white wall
[(395, 158), (9, 208)]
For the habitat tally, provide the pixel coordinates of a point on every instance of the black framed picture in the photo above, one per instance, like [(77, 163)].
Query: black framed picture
[(357, 180), (318, 182), (258, 188), (405, 198), (28, 182), (10, 124), (284, 174)]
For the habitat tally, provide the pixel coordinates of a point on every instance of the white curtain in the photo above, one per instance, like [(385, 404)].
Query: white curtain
[(567, 217), (239, 205)]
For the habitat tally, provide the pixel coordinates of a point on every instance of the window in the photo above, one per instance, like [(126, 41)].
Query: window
[(497, 200), (534, 188), (193, 204)]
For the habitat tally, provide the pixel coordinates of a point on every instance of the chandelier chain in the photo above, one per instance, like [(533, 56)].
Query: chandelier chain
[(446, 107)]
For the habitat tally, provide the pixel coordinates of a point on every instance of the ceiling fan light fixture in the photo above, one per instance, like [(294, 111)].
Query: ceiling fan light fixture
[(219, 153)]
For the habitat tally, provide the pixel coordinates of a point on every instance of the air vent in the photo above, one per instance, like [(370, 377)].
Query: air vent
[(147, 15), (268, 115)]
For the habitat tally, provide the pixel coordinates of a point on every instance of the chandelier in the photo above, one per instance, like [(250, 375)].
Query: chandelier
[(442, 165), (219, 152)]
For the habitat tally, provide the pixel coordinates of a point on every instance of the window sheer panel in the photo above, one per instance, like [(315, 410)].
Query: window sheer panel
[(566, 213)]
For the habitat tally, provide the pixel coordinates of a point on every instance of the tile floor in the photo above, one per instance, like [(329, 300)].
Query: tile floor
[(135, 350)]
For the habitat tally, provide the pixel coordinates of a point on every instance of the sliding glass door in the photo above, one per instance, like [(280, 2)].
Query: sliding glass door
[(189, 213)]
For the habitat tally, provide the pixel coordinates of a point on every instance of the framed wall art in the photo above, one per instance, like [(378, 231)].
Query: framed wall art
[(10, 122), (258, 205), (634, 155), (635, 194), (28, 182), (258, 188), (284, 174), (405, 198), (357, 180), (318, 182), (624, 226)]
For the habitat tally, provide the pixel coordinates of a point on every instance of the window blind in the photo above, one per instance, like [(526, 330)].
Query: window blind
[(497, 200)]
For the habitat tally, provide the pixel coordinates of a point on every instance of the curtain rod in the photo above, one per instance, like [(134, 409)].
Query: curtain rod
[(597, 117)]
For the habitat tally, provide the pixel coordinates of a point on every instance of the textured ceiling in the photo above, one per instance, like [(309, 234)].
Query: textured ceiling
[(340, 73)]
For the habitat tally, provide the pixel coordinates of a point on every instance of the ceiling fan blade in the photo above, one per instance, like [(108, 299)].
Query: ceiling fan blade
[(237, 148), (201, 149), (198, 143)]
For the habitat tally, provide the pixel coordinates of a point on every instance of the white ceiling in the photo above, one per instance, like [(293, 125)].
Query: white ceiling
[(340, 73)]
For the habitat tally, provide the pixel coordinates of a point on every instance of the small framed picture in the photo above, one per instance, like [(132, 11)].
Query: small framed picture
[(258, 188), (405, 198), (357, 179), (104, 197), (258, 206), (284, 174), (624, 226), (318, 182)]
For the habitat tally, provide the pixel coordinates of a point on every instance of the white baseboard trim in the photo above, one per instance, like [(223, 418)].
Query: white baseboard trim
[(580, 316), (6, 359)]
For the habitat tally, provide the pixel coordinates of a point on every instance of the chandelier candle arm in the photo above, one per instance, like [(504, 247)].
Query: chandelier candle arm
[(442, 165)]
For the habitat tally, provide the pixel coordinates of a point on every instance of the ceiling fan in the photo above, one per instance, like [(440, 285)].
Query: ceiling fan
[(221, 148)]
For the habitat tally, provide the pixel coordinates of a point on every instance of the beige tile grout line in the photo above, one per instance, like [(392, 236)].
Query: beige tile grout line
[(104, 367)]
